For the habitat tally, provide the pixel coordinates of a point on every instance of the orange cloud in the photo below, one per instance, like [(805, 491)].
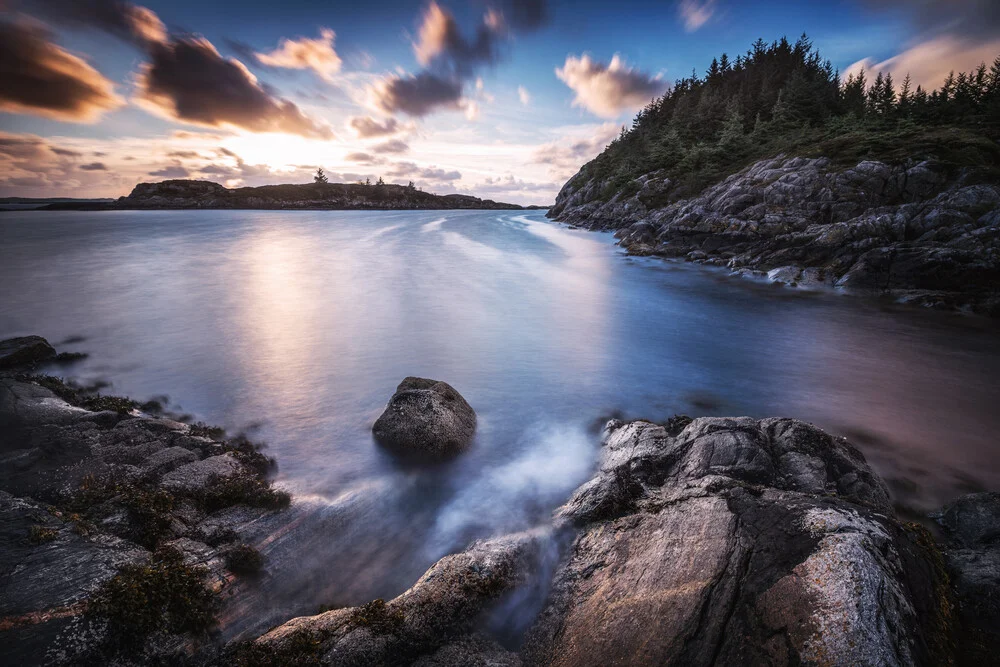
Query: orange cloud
[(317, 55), (929, 62), (40, 78)]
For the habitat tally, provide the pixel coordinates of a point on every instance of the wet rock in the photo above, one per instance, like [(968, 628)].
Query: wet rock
[(25, 351), (442, 605), (197, 474), (737, 541), (427, 418)]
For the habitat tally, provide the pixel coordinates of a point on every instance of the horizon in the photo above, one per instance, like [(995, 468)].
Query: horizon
[(501, 100)]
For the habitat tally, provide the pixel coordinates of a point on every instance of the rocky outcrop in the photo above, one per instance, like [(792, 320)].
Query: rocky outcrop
[(919, 232), (204, 194), (737, 541), (426, 418), (25, 351), (86, 494)]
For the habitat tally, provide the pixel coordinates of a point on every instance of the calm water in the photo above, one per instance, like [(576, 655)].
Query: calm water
[(298, 325)]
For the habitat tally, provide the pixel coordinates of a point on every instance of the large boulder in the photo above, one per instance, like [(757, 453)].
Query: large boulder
[(25, 351), (427, 418), (738, 541)]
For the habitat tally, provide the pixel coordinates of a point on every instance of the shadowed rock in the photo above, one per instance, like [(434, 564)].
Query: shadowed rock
[(24, 351), (427, 418), (972, 528)]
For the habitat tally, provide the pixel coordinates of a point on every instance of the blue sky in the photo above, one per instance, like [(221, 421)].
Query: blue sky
[(509, 116)]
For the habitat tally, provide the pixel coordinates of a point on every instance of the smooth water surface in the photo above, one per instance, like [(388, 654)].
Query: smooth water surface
[(297, 326)]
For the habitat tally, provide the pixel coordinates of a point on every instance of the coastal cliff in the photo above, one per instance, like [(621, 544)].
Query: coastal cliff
[(185, 194), (130, 538)]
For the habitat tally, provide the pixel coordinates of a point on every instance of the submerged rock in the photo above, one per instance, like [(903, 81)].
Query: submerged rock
[(25, 351), (426, 417)]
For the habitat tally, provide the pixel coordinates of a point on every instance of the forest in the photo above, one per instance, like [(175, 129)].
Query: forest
[(785, 98)]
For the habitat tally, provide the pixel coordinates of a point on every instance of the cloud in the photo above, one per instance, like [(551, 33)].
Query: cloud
[(567, 154), (122, 19), (607, 90), (365, 158), (94, 166), (416, 95), (66, 152), (188, 80), (929, 62), (450, 60), (976, 20), (40, 78), (317, 55), (953, 36), (432, 173), (523, 95), (391, 146), (441, 44), (184, 154), (695, 13), (524, 15), (172, 171), (366, 126)]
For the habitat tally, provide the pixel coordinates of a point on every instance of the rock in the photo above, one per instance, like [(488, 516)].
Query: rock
[(195, 475), (873, 229), (972, 554), (25, 351), (166, 460), (472, 651), (426, 417), (737, 541), (49, 564), (442, 605)]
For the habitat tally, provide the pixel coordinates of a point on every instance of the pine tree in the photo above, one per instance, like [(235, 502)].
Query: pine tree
[(380, 181), (320, 177), (732, 137)]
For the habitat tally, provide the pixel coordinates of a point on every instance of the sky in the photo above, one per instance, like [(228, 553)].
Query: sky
[(503, 99)]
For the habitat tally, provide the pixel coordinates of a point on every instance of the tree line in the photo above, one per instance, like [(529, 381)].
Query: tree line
[(782, 96)]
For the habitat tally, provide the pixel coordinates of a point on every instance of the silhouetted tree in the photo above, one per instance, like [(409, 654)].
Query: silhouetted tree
[(320, 177)]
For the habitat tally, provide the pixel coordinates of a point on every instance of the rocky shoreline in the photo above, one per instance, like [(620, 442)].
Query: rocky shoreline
[(190, 194), (697, 541), (923, 233)]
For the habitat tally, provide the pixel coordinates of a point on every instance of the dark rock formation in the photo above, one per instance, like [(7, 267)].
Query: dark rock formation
[(972, 554), (204, 194), (427, 418), (919, 232), (25, 351)]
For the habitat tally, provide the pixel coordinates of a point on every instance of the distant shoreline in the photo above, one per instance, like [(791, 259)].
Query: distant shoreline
[(198, 195)]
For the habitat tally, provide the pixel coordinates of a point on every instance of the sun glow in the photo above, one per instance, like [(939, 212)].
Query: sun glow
[(283, 152)]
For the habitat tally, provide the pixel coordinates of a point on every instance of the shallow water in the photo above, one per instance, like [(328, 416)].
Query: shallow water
[(297, 326)]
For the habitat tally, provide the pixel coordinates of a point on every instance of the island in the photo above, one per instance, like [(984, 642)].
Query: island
[(191, 194)]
